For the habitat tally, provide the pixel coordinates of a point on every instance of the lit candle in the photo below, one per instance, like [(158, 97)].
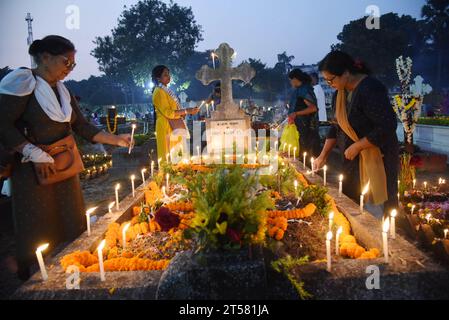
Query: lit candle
[(325, 175), (446, 231), (212, 105), (40, 260), (117, 187), (167, 177), (294, 153), (331, 219), (125, 228), (414, 183), (340, 185), (328, 250), (304, 157), (312, 160), (425, 185), (337, 241), (152, 168), (88, 213), (241, 103), (133, 177), (111, 205), (213, 59), (132, 138), (143, 175), (399, 183), (393, 215), (386, 229), (413, 208), (362, 197), (100, 259)]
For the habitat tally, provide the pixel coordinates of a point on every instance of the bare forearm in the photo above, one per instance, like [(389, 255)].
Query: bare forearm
[(328, 146), (364, 143), (105, 138)]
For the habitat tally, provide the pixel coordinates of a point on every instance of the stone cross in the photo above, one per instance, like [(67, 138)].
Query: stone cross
[(419, 88), (225, 74)]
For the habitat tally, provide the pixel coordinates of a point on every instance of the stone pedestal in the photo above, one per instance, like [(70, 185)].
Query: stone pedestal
[(214, 276)]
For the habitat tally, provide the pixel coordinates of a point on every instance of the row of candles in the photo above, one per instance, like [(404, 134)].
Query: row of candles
[(89, 213)]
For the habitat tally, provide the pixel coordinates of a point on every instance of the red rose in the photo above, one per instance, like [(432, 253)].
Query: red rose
[(234, 235), (167, 219)]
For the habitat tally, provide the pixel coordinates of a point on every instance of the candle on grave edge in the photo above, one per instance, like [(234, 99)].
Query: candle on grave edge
[(393, 215), (110, 206), (304, 159), (117, 204), (328, 251), (88, 213), (133, 177), (100, 259), (337, 240), (386, 229), (132, 138), (143, 175), (125, 229), (340, 185), (40, 260)]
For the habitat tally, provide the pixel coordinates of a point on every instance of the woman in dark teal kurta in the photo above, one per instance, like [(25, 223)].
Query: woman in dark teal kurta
[(45, 214)]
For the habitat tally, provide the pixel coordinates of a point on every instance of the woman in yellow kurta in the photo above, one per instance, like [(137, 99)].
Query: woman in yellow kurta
[(167, 106)]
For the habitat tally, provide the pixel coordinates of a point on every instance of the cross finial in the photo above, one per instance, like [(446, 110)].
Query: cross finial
[(225, 74)]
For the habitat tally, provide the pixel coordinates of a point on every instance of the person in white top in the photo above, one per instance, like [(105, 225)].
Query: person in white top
[(320, 97)]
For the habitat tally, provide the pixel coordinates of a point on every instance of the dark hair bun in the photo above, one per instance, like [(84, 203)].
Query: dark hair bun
[(338, 62), (54, 45), (35, 47), (300, 75)]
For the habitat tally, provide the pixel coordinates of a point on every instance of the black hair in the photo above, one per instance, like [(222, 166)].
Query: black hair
[(157, 72), (338, 62), (54, 45), (300, 75), (314, 75)]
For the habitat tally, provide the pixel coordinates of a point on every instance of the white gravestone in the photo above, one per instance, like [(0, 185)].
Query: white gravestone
[(228, 123)]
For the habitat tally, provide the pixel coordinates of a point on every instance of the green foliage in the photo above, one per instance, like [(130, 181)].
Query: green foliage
[(285, 266), (317, 195), (229, 213), (435, 121), (140, 139)]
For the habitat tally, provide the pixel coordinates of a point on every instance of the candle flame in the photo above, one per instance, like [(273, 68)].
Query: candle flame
[(111, 205), (340, 178), (117, 187), (126, 227), (101, 246), (331, 215), (296, 184), (133, 177), (134, 126), (42, 247), (394, 213), (386, 226), (144, 170), (325, 168), (329, 236), (366, 189), (339, 231), (91, 210)]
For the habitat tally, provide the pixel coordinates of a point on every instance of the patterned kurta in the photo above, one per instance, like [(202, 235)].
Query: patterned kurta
[(42, 214), (371, 115), (165, 108)]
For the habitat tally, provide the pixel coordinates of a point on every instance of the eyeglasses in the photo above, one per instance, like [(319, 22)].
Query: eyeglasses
[(68, 64), (330, 81)]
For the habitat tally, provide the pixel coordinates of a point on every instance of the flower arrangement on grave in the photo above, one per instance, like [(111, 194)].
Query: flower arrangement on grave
[(229, 213)]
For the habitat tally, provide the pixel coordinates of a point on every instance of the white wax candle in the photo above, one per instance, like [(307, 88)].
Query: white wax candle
[(143, 175), (393, 215), (152, 168), (88, 213), (125, 228), (328, 251), (325, 175), (100, 259), (132, 138), (337, 241), (386, 228), (294, 153), (340, 185), (446, 231), (111, 205), (362, 197), (117, 187), (40, 260), (304, 157), (331, 220), (133, 177), (414, 183)]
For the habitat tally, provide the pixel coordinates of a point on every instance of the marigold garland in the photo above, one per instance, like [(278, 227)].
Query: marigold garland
[(306, 212)]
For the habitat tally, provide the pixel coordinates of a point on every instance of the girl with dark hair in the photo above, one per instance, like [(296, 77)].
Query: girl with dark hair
[(37, 111), (167, 107), (365, 130), (303, 112)]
